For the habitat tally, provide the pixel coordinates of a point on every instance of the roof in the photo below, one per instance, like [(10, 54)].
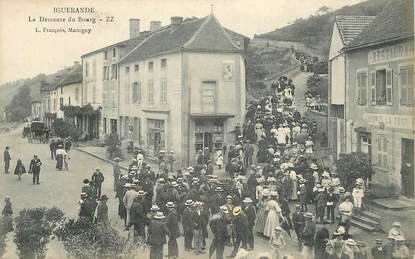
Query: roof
[(72, 77), (204, 34), (351, 26), (127, 45), (393, 23)]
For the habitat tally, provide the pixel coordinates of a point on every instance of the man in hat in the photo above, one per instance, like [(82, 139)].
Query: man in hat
[(157, 235), (249, 211), (197, 220), (321, 238), (378, 252), (298, 221), (217, 200), (34, 167), (188, 224), (128, 200), (303, 194), (116, 172), (102, 210), (350, 248), (240, 222), (338, 252), (172, 223), (138, 216), (87, 209), (361, 253), (97, 178), (218, 225), (321, 200), (308, 236), (249, 152), (331, 204), (6, 159)]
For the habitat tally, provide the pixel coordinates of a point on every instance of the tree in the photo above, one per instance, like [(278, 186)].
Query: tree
[(34, 227), (64, 129), (352, 166), (85, 240), (114, 145), (21, 104)]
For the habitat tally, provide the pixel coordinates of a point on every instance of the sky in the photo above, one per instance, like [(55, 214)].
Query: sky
[(26, 53)]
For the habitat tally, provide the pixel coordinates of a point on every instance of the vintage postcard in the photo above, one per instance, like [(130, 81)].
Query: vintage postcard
[(207, 129)]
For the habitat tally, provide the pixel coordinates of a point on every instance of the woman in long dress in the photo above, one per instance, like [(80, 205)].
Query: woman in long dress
[(274, 214), (262, 212)]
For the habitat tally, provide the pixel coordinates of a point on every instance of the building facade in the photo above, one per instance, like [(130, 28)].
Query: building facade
[(180, 91), (379, 104)]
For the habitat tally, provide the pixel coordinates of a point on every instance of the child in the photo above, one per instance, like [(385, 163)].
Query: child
[(219, 160), (20, 169), (358, 195), (277, 243)]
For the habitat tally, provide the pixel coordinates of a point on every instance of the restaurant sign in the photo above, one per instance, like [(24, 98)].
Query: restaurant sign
[(391, 53), (390, 120)]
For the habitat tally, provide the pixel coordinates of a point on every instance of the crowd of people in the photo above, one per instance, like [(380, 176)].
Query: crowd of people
[(252, 202)]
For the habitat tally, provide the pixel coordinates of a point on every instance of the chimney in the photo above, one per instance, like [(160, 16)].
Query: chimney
[(175, 22), (134, 28), (155, 25)]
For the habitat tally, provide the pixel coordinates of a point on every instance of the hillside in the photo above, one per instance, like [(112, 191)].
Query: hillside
[(315, 31), (8, 90)]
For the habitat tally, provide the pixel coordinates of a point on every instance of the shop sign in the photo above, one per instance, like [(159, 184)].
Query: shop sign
[(391, 53), (390, 120)]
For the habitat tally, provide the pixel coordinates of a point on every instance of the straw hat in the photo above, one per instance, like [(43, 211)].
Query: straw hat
[(189, 203), (247, 200), (170, 204), (236, 211), (159, 215), (308, 215), (224, 209)]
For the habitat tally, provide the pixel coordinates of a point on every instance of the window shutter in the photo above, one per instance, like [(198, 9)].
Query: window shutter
[(364, 89), (358, 88), (389, 81), (373, 87)]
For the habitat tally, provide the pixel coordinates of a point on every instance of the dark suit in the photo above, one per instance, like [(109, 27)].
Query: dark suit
[(35, 169), (138, 218), (157, 238), (298, 224), (172, 223), (219, 228), (342, 256), (378, 254), (187, 228), (241, 232), (251, 215), (7, 158), (320, 243)]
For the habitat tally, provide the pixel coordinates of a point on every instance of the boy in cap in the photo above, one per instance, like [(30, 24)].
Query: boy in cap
[(277, 243), (308, 236), (188, 224), (102, 210), (378, 252)]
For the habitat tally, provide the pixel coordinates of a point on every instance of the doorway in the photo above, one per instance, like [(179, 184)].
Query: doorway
[(157, 142), (407, 167), (208, 141)]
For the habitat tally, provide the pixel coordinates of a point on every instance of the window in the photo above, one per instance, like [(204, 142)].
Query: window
[(127, 70), (94, 68), (406, 84), (104, 122), (381, 87), (61, 102), (114, 71), (106, 73), (150, 92), (94, 93), (127, 92), (106, 55), (86, 69), (150, 66), (114, 53), (136, 130), (208, 92), (362, 88), (76, 94), (136, 92), (136, 68), (382, 152), (163, 91), (69, 101), (61, 90), (163, 63)]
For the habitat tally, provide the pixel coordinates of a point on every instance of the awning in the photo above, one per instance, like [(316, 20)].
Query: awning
[(207, 116), (362, 130)]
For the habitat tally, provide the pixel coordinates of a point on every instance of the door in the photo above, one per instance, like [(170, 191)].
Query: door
[(157, 142), (407, 167), (208, 141)]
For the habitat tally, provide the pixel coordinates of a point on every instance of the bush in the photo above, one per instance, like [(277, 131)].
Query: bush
[(4, 229), (34, 227), (114, 145), (64, 129), (352, 166), (85, 240)]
